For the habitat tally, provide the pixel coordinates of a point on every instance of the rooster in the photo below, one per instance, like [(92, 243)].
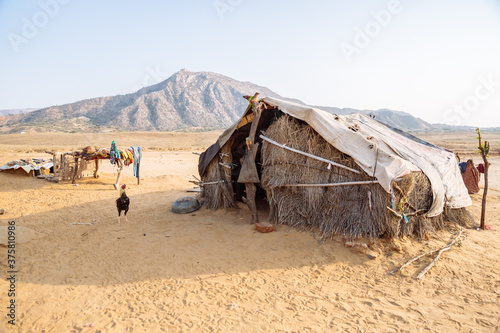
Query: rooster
[(122, 203)]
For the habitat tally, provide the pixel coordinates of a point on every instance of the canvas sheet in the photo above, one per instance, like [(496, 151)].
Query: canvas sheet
[(26, 167), (371, 143)]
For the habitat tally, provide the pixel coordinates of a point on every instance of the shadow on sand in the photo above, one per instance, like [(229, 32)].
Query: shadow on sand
[(157, 244)]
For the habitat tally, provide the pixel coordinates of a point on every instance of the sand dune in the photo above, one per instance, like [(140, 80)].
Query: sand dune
[(210, 271)]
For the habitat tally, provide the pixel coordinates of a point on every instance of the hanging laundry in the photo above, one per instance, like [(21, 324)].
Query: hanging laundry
[(137, 159), (463, 166), (103, 153), (127, 156), (471, 177), (114, 153)]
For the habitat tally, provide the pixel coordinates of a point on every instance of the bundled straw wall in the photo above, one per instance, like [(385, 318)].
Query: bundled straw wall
[(347, 211), (218, 191)]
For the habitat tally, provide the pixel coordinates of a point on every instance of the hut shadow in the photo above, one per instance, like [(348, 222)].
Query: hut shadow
[(157, 244), (20, 181)]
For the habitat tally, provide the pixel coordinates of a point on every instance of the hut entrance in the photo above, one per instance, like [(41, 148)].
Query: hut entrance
[(221, 187), (239, 148)]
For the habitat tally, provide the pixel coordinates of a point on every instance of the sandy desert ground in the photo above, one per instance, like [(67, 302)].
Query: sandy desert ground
[(210, 271)]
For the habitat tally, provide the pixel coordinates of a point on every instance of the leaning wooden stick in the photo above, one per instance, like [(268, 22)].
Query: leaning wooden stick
[(440, 250), (426, 269), (412, 260), (446, 248)]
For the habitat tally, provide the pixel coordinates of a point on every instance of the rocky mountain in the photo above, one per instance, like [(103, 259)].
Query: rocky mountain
[(186, 100)]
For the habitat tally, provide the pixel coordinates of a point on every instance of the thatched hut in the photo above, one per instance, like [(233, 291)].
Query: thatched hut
[(348, 176)]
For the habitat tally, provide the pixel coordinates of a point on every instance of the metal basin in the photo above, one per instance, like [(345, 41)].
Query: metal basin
[(185, 205)]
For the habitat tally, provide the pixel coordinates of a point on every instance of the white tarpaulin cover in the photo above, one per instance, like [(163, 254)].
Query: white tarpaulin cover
[(371, 143), (27, 167)]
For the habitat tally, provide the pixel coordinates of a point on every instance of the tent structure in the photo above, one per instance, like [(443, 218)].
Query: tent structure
[(348, 176), (31, 166)]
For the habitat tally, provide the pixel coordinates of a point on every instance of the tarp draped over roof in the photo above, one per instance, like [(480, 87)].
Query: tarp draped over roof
[(371, 144)]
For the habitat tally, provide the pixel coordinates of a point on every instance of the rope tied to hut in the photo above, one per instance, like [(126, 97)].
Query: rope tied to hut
[(309, 155), (305, 165), (209, 183), (227, 165)]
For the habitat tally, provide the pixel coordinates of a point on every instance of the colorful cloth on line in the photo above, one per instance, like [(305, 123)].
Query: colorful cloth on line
[(99, 154), (114, 153), (116, 156), (127, 156)]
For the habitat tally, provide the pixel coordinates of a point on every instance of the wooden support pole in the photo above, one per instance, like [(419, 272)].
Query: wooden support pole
[(117, 184), (251, 190), (252, 148), (76, 170), (484, 149), (57, 162), (97, 162)]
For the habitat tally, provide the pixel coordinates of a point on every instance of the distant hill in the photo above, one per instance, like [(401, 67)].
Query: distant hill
[(463, 128), (398, 119), (5, 112), (185, 101)]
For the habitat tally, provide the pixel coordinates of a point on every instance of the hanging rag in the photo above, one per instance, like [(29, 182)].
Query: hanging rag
[(480, 167), (114, 153), (471, 177), (463, 166), (137, 159), (128, 156)]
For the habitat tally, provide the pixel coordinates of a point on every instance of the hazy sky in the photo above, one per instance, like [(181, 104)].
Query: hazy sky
[(437, 59)]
